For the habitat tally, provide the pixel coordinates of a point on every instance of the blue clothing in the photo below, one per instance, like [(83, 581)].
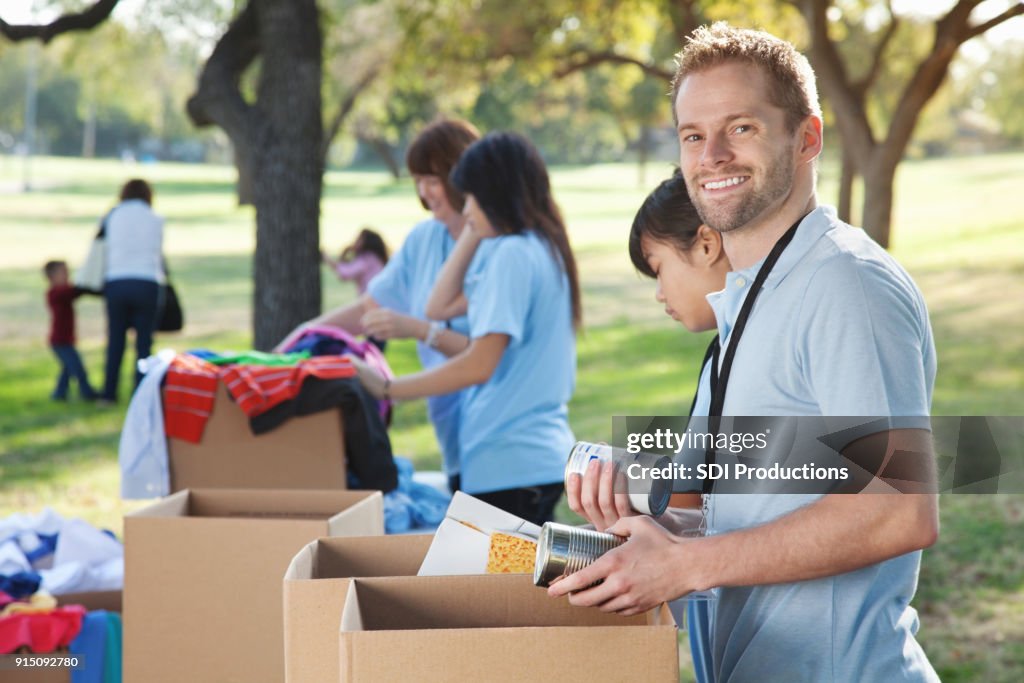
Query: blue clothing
[(839, 329), (91, 644), (412, 504), (404, 286), (131, 304), (71, 366), (515, 427)]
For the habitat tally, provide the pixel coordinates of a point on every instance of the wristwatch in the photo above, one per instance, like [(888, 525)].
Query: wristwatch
[(434, 334)]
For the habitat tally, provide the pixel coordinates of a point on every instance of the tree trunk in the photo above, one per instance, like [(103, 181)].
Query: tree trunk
[(384, 151), (288, 172), (244, 166), (876, 211), (847, 174), (643, 153), (89, 132)]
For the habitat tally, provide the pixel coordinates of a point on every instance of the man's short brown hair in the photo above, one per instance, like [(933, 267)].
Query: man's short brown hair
[(791, 82)]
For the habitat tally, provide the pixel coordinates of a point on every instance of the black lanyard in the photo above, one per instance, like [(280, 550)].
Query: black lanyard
[(708, 355), (720, 378)]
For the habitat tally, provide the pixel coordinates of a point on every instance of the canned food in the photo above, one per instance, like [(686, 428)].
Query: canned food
[(563, 550), (646, 495)]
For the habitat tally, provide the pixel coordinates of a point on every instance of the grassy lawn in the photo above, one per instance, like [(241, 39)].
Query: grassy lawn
[(958, 228)]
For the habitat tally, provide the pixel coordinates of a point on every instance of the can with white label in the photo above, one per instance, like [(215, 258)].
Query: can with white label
[(646, 495)]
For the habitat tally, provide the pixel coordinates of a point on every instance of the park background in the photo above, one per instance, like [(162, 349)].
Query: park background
[(586, 81)]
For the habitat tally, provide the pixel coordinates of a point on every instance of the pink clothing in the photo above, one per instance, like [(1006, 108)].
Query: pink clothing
[(362, 269)]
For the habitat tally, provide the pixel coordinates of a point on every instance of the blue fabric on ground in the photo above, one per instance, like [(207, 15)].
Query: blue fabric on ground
[(91, 644), (412, 504), (20, 584), (112, 658)]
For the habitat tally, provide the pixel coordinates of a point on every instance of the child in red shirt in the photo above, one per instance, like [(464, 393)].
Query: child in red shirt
[(60, 299)]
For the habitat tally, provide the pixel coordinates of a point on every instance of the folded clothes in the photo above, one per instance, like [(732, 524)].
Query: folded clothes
[(41, 633)]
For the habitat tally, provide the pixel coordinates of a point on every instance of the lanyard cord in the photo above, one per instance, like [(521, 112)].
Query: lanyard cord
[(708, 355), (720, 378)]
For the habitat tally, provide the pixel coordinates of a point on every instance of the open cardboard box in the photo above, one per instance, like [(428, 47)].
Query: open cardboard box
[(315, 587), (203, 575), (305, 452), (496, 628)]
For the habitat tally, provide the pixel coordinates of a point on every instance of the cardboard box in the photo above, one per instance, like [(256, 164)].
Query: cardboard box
[(315, 587), (304, 453), (203, 575), (498, 628), (93, 600)]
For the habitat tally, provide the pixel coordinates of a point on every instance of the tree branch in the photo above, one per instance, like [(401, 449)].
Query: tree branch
[(865, 82), (584, 59), (950, 33), (218, 99), (976, 31), (848, 105), (346, 108), (685, 19), (78, 21)]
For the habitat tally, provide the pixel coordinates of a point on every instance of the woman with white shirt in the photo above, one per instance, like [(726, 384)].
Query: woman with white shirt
[(134, 273)]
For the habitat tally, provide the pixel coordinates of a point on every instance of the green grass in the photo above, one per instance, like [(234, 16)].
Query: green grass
[(958, 228)]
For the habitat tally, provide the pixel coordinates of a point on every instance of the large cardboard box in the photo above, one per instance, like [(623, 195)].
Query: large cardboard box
[(203, 575), (497, 628), (315, 587), (304, 453)]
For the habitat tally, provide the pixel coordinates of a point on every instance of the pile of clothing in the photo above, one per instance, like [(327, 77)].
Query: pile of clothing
[(45, 555), (177, 394)]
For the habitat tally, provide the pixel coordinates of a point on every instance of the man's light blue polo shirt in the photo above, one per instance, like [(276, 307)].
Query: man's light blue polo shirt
[(839, 329), (515, 427), (404, 286)]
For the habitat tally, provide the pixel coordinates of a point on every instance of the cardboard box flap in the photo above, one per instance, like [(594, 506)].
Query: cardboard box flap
[(174, 505), (329, 558), (450, 602), (351, 616), (286, 504)]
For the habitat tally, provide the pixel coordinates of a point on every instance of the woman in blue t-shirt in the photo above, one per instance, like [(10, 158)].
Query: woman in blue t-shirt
[(522, 298), (393, 305)]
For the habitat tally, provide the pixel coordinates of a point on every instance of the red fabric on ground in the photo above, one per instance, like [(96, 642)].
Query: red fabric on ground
[(41, 633)]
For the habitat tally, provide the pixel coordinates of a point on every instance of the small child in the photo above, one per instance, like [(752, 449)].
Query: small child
[(60, 299), (361, 260)]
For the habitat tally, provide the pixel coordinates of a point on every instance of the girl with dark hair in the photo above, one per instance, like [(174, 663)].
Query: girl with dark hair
[(394, 305), (669, 243), (360, 261), (523, 302)]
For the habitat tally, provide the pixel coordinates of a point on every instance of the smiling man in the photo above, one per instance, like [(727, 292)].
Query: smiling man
[(815, 319)]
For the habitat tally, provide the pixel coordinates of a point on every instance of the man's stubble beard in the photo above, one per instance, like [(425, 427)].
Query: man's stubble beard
[(778, 182)]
